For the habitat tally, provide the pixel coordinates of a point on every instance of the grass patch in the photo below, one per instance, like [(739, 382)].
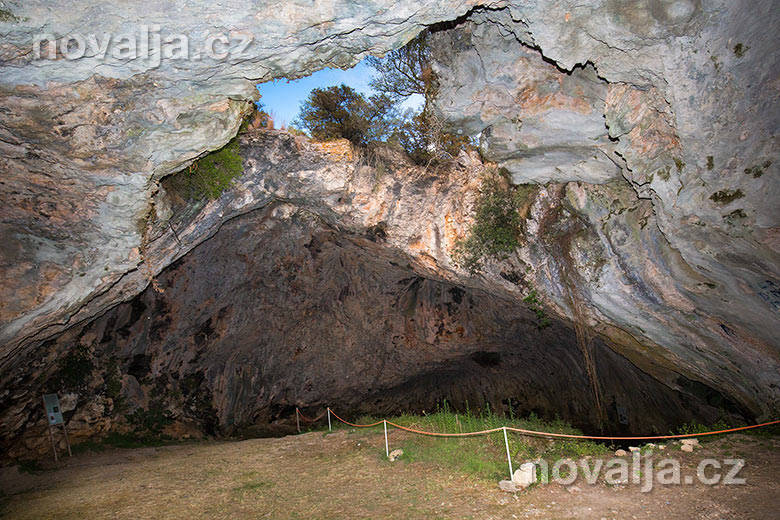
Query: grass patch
[(252, 484), (482, 456), (211, 175), (124, 441)]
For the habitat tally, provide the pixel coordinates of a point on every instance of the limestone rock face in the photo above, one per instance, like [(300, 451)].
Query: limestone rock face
[(674, 243), (649, 126), (84, 140), (540, 124), (325, 282)]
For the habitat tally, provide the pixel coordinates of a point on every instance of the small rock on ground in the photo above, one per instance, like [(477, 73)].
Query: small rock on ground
[(395, 454)]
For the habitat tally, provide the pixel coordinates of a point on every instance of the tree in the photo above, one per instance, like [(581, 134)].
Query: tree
[(340, 111), (405, 71), (423, 138)]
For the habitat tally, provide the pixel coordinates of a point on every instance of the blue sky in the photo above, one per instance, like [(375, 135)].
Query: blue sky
[(282, 98)]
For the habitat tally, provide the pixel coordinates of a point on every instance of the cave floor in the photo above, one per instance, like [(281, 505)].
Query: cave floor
[(345, 475)]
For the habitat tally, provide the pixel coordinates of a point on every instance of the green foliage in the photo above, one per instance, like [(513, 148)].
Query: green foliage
[(724, 197), (497, 226), (405, 71), (341, 112), (424, 140), (75, 369), (715, 63), (295, 131), (483, 456), (211, 175), (679, 164), (740, 49), (123, 441), (735, 216), (151, 421), (8, 17), (694, 427), (758, 170), (533, 303)]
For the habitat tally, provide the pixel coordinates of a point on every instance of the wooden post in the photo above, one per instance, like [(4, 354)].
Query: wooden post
[(53, 445), (67, 441), (297, 420)]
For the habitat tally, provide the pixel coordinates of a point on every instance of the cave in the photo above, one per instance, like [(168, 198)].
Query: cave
[(642, 295)]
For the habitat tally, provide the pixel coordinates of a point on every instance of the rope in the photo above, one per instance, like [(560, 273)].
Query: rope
[(550, 434), (651, 437), (320, 416), (356, 425), (437, 434)]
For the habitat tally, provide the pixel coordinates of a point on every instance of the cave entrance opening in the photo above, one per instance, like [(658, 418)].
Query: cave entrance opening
[(281, 99), (382, 102)]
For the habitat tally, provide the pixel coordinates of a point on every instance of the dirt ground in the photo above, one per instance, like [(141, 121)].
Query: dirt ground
[(344, 475)]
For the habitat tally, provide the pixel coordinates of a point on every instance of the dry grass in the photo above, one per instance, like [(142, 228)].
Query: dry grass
[(345, 475), (337, 149)]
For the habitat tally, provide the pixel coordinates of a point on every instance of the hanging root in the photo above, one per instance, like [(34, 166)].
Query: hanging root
[(561, 245), (584, 337), (146, 267)]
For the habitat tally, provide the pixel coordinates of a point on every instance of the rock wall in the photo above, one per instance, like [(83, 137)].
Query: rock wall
[(303, 302), (665, 111), (656, 230), (85, 140)]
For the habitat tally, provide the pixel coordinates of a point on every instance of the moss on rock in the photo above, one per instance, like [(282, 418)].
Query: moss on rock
[(724, 197)]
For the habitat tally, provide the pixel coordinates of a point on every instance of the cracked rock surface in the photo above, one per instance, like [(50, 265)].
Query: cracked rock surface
[(326, 282), (648, 130)]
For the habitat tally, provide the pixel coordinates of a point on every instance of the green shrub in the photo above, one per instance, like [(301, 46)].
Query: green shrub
[(151, 421), (694, 427), (497, 228), (533, 303), (724, 197), (211, 175), (75, 369)]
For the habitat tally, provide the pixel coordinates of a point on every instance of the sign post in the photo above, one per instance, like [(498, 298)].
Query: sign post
[(54, 417)]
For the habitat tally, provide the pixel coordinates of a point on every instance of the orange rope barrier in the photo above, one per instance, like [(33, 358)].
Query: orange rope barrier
[(437, 434), (320, 416), (355, 425), (651, 437), (549, 434)]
